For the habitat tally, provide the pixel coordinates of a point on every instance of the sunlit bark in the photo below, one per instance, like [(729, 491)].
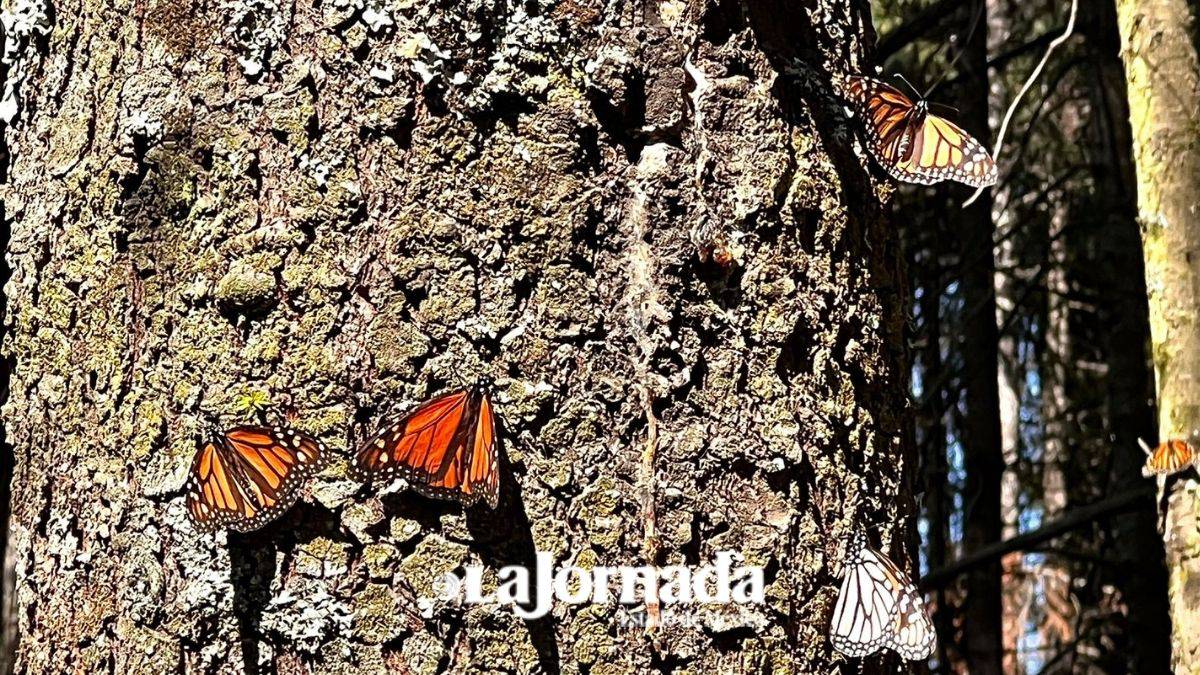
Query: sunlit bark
[(344, 207), (1163, 76)]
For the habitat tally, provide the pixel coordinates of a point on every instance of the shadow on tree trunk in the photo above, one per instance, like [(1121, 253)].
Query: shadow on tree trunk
[(253, 560), (9, 634), (251, 570), (504, 537)]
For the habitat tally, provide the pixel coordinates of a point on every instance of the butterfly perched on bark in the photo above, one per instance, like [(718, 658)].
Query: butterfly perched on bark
[(247, 476), (878, 608), (1169, 457), (445, 448), (913, 144)]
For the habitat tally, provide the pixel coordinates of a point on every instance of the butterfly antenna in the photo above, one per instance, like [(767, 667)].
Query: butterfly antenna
[(1145, 447), (943, 106), (909, 85), (961, 49)]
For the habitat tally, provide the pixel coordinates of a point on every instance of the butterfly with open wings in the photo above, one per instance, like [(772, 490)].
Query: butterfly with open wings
[(878, 608), (247, 476), (445, 448), (913, 144)]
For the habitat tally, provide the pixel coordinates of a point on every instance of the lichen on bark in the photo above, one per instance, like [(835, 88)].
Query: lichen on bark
[(351, 206)]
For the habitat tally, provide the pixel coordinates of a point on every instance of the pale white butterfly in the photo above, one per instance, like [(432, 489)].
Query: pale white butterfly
[(878, 608)]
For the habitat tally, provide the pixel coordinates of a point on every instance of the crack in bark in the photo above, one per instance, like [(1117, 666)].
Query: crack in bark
[(643, 309)]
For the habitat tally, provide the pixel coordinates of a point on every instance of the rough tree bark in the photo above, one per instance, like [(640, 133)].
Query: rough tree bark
[(346, 206), (1162, 70)]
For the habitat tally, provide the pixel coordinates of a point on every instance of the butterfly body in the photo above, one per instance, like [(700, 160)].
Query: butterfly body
[(445, 448), (878, 607), (911, 143), (247, 476)]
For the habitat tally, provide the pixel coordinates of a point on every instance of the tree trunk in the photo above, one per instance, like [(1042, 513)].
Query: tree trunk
[(982, 627), (927, 245), (1163, 75), (1125, 339), (347, 207)]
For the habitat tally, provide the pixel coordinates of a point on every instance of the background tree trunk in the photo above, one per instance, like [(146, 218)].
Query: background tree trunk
[(1125, 338), (1163, 74), (983, 459), (350, 206)]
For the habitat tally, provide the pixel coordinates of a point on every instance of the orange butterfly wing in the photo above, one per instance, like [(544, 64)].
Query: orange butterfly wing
[(249, 476), (1170, 457), (213, 498), (940, 150), (483, 476), (887, 113), (446, 448), (912, 633)]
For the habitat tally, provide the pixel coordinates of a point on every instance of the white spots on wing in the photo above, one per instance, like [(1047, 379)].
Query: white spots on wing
[(383, 458)]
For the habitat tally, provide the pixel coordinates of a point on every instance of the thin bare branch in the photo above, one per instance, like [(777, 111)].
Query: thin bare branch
[(1012, 108)]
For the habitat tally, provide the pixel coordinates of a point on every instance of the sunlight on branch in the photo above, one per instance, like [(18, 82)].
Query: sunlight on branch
[(1012, 108)]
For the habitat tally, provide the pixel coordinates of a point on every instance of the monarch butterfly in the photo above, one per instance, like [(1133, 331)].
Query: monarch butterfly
[(445, 447), (913, 144), (249, 475), (1170, 457), (879, 607)]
